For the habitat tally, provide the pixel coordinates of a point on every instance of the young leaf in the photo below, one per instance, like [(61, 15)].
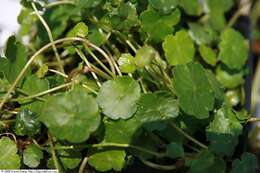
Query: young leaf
[(27, 123), (223, 132), (15, 59), (126, 63), (108, 160), (74, 112), (233, 49), (248, 163), (79, 30), (208, 55), (9, 159), (144, 56), (173, 47), (193, 89), (118, 97), (32, 156)]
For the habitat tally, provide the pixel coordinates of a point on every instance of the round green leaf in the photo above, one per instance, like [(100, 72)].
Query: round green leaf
[(79, 30), (74, 112), (193, 89), (121, 131), (32, 156), (108, 160), (144, 56), (118, 97), (233, 49), (9, 159), (27, 123), (174, 47), (126, 63), (208, 55)]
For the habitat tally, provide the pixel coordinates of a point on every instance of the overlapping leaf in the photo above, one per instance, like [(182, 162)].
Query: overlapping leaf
[(70, 113), (173, 47), (118, 97), (193, 89)]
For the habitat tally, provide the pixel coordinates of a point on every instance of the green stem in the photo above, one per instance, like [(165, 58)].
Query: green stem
[(157, 166), (99, 62), (83, 57), (43, 92), (53, 153), (48, 30), (188, 136), (27, 94), (90, 89), (99, 72), (33, 57), (83, 165), (118, 145)]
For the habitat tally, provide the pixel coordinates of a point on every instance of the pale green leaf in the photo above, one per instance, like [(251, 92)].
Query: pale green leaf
[(208, 55), (32, 156), (233, 49), (126, 63), (174, 47), (9, 159), (108, 160), (118, 97)]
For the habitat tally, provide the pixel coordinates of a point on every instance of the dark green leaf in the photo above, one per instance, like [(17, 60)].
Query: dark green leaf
[(206, 162), (223, 132), (118, 97), (15, 59), (27, 123), (215, 85), (158, 26), (175, 150), (248, 163), (193, 89), (193, 7)]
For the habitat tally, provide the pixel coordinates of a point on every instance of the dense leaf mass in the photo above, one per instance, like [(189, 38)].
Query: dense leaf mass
[(101, 85)]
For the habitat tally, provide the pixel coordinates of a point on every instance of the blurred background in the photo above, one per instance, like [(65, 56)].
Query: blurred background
[(250, 13)]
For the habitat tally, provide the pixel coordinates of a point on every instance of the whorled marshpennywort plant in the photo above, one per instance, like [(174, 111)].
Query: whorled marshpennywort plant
[(102, 84)]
